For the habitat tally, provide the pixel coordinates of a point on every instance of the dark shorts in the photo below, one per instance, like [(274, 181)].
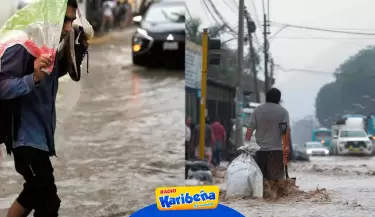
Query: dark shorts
[(271, 164), (39, 190)]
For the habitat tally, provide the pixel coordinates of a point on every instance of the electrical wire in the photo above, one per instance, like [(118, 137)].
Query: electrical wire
[(323, 29), (316, 72), (304, 70), (230, 7), (216, 11), (256, 20), (208, 13), (322, 38), (188, 11)]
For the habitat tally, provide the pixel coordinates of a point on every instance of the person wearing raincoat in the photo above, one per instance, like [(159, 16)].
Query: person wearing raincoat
[(29, 74)]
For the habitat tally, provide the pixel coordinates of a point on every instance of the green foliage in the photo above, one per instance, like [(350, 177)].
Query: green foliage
[(353, 90)]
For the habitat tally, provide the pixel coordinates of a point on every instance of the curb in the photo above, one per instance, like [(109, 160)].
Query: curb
[(101, 39), (109, 36)]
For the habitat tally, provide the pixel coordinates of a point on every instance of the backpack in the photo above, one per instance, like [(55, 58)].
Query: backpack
[(9, 122)]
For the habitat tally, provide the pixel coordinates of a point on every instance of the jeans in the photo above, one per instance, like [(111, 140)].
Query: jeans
[(216, 158)]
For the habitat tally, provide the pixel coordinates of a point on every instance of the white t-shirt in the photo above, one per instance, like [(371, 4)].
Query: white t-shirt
[(108, 7), (187, 134)]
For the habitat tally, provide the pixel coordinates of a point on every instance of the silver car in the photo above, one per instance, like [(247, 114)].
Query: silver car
[(316, 149)]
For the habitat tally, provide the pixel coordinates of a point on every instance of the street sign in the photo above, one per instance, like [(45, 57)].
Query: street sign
[(193, 65)]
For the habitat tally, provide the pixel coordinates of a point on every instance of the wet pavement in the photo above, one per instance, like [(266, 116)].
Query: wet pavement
[(349, 190), (120, 135)]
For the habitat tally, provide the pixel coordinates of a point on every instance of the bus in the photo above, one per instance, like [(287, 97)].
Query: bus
[(324, 136)]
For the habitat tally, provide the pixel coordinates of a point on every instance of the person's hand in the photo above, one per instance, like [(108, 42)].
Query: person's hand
[(43, 61)]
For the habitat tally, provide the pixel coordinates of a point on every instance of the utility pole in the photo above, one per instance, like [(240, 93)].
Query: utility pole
[(266, 56), (203, 102), (210, 56), (239, 93), (272, 68), (250, 30)]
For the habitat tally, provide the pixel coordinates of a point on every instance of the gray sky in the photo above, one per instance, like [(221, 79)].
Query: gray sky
[(294, 48)]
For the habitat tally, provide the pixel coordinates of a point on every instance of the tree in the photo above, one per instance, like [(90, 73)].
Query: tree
[(353, 90)]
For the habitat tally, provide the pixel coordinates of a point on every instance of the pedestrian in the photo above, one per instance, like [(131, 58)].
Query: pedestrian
[(220, 138), (22, 79), (266, 120), (108, 7), (190, 123), (209, 141), (129, 14), (122, 10), (187, 140)]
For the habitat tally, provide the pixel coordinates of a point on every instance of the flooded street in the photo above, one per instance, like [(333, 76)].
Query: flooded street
[(120, 135), (349, 184)]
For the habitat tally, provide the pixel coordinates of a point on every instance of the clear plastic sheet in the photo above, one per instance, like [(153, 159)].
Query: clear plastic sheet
[(37, 27)]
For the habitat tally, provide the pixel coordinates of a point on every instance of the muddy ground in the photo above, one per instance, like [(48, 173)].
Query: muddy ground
[(346, 189)]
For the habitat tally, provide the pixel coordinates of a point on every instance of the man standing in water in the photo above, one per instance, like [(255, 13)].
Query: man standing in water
[(265, 120), (22, 79)]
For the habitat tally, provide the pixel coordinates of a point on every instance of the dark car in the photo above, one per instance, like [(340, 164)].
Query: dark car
[(160, 36)]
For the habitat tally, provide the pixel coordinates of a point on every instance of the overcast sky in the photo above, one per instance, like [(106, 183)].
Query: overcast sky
[(303, 49)]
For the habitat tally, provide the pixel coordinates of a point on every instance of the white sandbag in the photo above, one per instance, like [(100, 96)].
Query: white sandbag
[(244, 178)]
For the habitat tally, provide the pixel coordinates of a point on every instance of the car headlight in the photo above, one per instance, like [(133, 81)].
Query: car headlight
[(326, 151), (308, 151)]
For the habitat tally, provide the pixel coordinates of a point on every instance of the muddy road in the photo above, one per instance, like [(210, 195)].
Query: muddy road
[(120, 135), (349, 190)]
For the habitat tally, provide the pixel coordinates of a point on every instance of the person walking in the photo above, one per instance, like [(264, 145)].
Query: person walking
[(209, 141), (266, 120), (108, 18), (220, 139), (187, 141), (22, 79)]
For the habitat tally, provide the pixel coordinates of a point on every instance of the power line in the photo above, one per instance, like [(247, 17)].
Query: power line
[(316, 72), (207, 9), (256, 20), (220, 16), (305, 70), (235, 3), (323, 29), (322, 38), (230, 7), (188, 11)]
